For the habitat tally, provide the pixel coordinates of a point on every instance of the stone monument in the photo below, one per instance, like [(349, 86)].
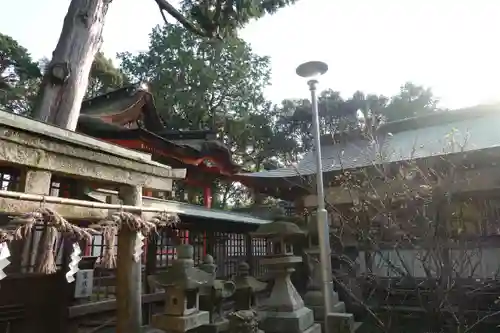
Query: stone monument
[(212, 296), (313, 298), (182, 283), (284, 311), (338, 320), (247, 287)]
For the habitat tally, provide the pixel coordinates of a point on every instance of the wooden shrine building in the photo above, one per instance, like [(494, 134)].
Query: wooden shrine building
[(128, 117)]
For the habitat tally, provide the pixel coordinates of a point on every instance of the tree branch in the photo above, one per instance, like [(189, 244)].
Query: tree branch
[(172, 11)]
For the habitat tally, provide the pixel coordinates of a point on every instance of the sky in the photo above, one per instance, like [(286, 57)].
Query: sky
[(450, 46)]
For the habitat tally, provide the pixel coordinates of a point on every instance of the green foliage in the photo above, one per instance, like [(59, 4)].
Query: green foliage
[(104, 77), (412, 101), (199, 83), (358, 113), (19, 77), (194, 79), (224, 17)]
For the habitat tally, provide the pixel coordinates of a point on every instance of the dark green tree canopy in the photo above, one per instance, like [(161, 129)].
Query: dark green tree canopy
[(412, 101), (228, 15), (195, 79), (219, 18), (104, 76), (19, 77), (15, 62)]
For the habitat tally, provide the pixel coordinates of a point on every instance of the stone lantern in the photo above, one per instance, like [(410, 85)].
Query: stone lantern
[(313, 298), (246, 288), (212, 296), (182, 283), (284, 311)]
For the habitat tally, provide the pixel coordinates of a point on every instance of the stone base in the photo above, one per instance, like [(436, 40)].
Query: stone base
[(340, 323), (319, 311), (298, 321), (220, 326), (180, 324)]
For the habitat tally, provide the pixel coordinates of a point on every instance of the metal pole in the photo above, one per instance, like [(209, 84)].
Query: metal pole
[(322, 215)]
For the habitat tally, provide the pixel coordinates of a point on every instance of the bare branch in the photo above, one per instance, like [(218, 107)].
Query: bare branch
[(164, 5)]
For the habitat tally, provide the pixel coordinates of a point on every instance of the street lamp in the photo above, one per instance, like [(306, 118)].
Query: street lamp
[(311, 70)]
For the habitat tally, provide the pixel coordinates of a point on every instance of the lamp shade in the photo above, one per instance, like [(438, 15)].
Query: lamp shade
[(311, 69)]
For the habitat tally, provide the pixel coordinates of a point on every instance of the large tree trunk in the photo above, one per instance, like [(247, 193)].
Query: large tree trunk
[(66, 78)]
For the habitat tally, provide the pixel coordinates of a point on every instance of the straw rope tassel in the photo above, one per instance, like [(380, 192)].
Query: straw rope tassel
[(109, 233), (46, 262)]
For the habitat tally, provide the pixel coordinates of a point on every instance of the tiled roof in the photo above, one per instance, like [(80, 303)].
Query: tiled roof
[(477, 128)]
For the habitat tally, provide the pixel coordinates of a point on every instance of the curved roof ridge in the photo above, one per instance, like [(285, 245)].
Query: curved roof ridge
[(439, 118)]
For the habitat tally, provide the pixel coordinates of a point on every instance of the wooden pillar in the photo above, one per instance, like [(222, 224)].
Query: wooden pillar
[(128, 272), (151, 257), (249, 253), (34, 182), (207, 201), (150, 269), (207, 196)]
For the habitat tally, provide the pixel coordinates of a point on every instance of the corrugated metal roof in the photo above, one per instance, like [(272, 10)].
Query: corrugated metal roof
[(184, 208), (473, 131), (200, 211)]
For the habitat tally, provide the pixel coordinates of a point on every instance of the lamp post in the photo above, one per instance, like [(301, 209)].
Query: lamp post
[(312, 70)]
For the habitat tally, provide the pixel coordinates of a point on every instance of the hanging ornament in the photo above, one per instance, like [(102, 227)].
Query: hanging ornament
[(73, 265), (138, 246), (4, 261)]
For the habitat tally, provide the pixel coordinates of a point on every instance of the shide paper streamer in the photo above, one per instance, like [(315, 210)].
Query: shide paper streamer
[(4, 259), (73, 265), (54, 226), (139, 243)]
